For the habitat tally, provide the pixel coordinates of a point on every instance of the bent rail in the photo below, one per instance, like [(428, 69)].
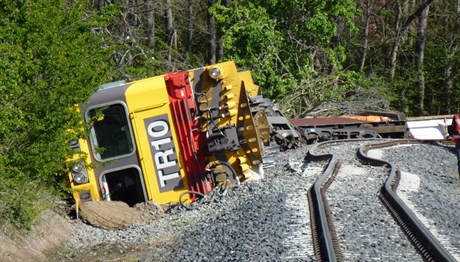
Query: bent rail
[(323, 232), (423, 240)]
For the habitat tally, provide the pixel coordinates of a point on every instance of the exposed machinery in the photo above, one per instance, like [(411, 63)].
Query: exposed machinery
[(173, 137)]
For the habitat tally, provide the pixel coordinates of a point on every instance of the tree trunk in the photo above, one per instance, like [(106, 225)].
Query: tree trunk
[(411, 6), (366, 34), (168, 23), (407, 60), (169, 31), (421, 35), (188, 47), (452, 49), (151, 23), (448, 83), (220, 45), (399, 37), (400, 33), (212, 35)]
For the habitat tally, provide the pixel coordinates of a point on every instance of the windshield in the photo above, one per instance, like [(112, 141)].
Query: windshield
[(110, 132)]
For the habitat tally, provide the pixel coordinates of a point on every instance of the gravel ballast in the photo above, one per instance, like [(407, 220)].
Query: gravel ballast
[(437, 197), (252, 222), (364, 227), (264, 220)]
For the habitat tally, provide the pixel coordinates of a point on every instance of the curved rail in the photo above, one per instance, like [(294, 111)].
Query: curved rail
[(422, 239), (324, 236)]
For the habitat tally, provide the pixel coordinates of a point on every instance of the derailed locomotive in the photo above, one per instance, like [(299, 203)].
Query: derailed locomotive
[(174, 137)]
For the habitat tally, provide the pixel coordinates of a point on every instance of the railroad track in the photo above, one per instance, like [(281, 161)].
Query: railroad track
[(269, 220), (333, 236)]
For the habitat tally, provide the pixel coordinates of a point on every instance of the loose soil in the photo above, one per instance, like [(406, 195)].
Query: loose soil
[(118, 215), (48, 232), (44, 242)]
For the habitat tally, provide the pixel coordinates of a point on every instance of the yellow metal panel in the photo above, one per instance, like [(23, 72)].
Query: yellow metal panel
[(149, 111), (234, 93), (91, 186), (251, 88)]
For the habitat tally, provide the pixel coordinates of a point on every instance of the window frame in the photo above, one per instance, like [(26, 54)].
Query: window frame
[(92, 133)]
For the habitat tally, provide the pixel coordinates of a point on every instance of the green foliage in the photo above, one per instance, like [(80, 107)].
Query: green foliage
[(304, 54), (21, 198), (283, 42), (252, 41), (50, 60), (322, 16)]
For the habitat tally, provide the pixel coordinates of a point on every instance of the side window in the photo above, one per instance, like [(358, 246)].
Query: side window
[(110, 132)]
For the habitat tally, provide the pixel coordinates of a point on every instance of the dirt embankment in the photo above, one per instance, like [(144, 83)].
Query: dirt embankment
[(48, 232), (53, 227)]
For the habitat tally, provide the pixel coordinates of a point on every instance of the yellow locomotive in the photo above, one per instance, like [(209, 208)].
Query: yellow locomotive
[(172, 137)]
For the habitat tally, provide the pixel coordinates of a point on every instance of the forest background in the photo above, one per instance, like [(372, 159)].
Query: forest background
[(311, 57)]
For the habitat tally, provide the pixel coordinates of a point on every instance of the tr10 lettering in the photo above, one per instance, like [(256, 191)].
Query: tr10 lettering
[(164, 154)]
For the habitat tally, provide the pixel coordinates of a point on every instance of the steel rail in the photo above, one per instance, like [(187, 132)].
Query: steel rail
[(428, 246), (324, 235)]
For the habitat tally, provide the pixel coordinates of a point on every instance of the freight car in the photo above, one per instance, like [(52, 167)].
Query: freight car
[(174, 137), (367, 124)]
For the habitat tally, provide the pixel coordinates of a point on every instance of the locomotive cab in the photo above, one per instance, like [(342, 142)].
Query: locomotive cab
[(168, 138)]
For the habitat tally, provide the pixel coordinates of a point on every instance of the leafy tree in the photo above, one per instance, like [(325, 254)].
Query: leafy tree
[(52, 57), (304, 54), (390, 44), (152, 37), (283, 42), (252, 41)]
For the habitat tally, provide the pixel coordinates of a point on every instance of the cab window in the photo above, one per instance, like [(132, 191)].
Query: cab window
[(110, 132)]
